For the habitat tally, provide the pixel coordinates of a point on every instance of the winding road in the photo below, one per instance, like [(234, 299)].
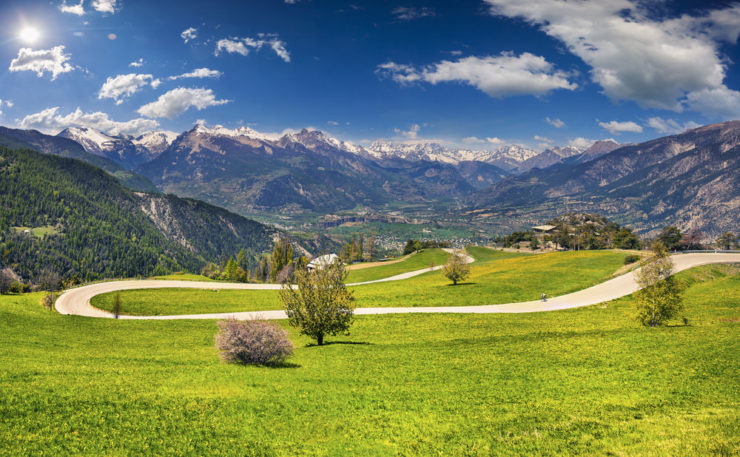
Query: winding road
[(77, 301)]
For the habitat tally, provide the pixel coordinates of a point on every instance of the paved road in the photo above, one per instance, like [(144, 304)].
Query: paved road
[(77, 301)]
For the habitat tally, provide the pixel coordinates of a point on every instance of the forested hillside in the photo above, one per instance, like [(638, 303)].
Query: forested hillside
[(79, 221)]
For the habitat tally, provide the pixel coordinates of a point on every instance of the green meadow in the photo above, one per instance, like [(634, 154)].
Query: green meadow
[(589, 381), (416, 261), (496, 277)]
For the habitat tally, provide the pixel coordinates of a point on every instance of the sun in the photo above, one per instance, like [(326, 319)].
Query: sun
[(29, 34)]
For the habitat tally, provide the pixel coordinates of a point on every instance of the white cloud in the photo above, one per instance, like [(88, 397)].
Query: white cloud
[(617, 127), (137, 63), (542, 139), (720, 101), (495, 140), (49, 121), (175, 102), (52, 60), (335, 123), (670, 126), (408, 13), (199, 73), (472, 140), (412, 133), (77, 9), (661, 64), (557, 123), (242, 46), (104, 6), (189, 34), (498, 76), (581, 143), (121, 87)]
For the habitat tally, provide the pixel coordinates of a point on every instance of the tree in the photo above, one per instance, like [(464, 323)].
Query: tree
[(660, 296), (692, 240), (117, 306), (456, 269), (670, 237), (6, 280), (727, 240), (48, 280), (369, 250), (534, 244), (320, 303)]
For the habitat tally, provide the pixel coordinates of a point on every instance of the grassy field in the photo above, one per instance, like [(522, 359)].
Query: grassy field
[(581, 382), (38, 232), (418, 261), (500, 277)]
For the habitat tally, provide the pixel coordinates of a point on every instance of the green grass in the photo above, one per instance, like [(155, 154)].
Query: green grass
[(581, 382), (483, 254), (183, 277), (416, 261), (514, 277)]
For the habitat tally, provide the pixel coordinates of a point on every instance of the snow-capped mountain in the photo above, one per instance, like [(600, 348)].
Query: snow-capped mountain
[(505, 157), (155, 142), (123, 149)]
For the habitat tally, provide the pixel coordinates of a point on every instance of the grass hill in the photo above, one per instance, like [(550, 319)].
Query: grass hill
[(94, 227), (589, 381)]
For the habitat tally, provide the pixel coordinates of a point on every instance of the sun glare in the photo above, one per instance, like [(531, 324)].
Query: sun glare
[(29, 34)]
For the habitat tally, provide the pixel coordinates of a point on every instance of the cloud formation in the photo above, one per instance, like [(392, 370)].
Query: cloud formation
[(121, 87), (49, 121), (175, 102), (137, 63), (408, 13), (242, 46), (51, 60), (412, 133), (199, 73), (189, 34), (104, 6), (557, 123), (498, 76), (617, 127), (670, 126), (77, 9), (666, 64)]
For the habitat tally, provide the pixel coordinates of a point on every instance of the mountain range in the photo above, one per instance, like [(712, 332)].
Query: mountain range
[(310, 172)]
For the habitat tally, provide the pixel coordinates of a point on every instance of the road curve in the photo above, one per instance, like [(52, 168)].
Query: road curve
[(77, 301)]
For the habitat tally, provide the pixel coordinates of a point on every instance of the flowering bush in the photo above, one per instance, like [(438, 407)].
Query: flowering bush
[(256, 342)]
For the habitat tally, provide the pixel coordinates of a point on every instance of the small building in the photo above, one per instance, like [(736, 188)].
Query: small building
[(543, 228), (322, 261)]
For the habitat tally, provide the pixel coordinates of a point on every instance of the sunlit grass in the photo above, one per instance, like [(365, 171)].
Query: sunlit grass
[(499, 278), (590, 381)]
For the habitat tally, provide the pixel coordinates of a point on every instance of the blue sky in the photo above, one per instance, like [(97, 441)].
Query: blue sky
[(472, 73)]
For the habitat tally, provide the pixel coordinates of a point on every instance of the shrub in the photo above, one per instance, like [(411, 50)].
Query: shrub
[(47, 301), (632, 258), (6, 280), (255, 342)]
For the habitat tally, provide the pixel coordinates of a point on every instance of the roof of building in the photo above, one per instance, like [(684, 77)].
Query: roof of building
[(323, 260), (544, 228)]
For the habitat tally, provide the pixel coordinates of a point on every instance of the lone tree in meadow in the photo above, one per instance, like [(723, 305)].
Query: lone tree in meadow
[(660, 296), (456, 269), (319, 304)]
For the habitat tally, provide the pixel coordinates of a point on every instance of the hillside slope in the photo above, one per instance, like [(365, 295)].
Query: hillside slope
[(95, 227), (691, 179), (65, 147)]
